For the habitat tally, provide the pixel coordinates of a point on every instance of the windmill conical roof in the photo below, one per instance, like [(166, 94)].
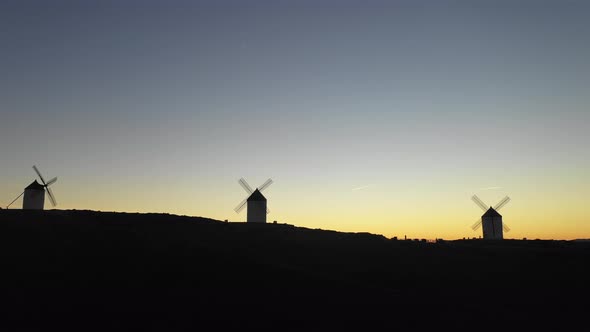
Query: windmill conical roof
[(35, 186), (256, 196), (491, 213)]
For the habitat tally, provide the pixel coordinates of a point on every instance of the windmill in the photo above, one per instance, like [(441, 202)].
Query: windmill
[(256, 202), (34, 194), (491, 220)]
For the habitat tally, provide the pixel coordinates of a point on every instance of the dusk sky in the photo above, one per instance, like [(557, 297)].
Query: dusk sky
[(370, 116)]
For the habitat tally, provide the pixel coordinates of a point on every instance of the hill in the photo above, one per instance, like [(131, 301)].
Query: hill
[(122, 271)]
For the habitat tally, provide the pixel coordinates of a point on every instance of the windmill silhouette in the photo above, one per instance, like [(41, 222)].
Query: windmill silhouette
[(491, 220), (255, 201), (34, 194)]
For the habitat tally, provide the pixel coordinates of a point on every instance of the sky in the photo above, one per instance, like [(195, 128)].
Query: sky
[(370, 116)]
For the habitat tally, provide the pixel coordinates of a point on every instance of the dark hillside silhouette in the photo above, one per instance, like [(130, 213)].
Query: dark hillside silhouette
[(120, 271)]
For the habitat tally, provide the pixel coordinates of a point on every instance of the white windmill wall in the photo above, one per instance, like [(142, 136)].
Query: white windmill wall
[(492, 227), (256, 211), (498, 229), (34, 199)]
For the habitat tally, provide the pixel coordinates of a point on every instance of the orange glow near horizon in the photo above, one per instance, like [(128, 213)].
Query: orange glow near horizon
[(557, 212)]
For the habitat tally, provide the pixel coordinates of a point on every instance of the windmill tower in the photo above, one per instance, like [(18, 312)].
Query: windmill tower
[(34, 198), (491, 220), (256, 202), (34, 194)]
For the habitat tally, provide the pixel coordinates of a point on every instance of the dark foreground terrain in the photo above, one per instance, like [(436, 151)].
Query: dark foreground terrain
[(85, 270)]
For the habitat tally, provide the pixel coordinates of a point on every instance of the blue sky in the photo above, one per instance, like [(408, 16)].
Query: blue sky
[(162, 105)]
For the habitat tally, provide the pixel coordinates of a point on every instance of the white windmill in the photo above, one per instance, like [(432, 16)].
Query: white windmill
[(491, 220), (34, 194), (255, 201)]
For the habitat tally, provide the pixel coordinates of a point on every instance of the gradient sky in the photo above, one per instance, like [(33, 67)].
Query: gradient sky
[(376, 116)]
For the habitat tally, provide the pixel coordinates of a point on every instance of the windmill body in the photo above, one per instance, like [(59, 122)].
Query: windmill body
[(491, 222), (256, 202), (34, 197), (256, 207), (34, 194)]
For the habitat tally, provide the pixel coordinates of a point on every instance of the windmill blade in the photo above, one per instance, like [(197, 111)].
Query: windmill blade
[(246, 186), (52, 181), (503, 202), (476, 225), (51, 197), (479, 203), (241, 206), (17, 197), (39, 174), (265, 185), (505, 227)]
